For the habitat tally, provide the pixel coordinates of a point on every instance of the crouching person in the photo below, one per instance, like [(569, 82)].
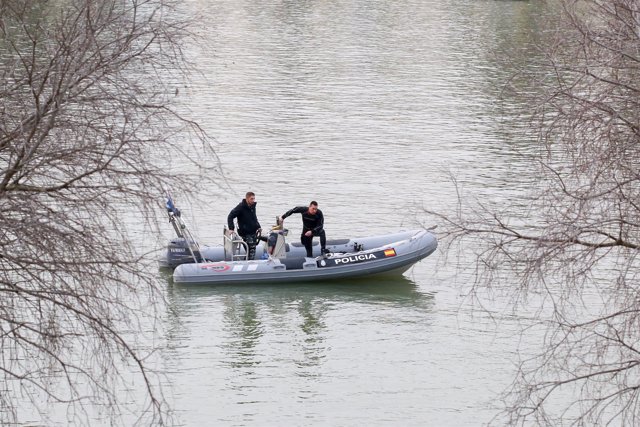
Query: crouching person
[(312, 225)]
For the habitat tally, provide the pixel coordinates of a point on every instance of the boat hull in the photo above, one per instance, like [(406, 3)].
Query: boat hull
[(177, 252), (390, 258)]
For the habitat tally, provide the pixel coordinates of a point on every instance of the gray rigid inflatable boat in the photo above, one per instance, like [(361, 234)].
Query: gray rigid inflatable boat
[(280, 262), (178, 251), (392, 258)]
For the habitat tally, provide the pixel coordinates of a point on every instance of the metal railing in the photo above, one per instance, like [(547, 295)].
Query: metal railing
[(233, 245)]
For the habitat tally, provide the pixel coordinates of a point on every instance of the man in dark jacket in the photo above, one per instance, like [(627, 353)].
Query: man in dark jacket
[(248, 225), (312, 225)]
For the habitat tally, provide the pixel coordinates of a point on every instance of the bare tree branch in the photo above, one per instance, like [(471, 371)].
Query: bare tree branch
[(574, 238), (88, 137)]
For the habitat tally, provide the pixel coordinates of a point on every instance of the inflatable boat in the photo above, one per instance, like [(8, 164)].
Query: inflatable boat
[(181, 251), (279, 262)]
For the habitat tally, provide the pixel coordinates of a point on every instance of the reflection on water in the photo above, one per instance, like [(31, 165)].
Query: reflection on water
[(378, 290), (312, 324), (254, 317), (258, 344), (243, 324)]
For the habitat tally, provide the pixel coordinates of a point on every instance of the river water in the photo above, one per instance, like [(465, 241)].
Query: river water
[(369, 107)]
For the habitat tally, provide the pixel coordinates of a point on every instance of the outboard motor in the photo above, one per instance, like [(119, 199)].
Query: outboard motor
[(178, 252), (184, 248)]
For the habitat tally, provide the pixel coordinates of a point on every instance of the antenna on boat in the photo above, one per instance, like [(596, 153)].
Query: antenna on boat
[(181, 229)]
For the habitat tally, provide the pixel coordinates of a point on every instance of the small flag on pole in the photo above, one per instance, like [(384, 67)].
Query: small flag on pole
[(170, 206)]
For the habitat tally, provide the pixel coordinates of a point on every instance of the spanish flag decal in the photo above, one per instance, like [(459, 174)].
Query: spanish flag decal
[(390, 252)]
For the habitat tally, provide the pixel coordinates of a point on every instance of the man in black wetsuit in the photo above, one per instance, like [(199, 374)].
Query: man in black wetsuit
[(312, 225), (248, 225)]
